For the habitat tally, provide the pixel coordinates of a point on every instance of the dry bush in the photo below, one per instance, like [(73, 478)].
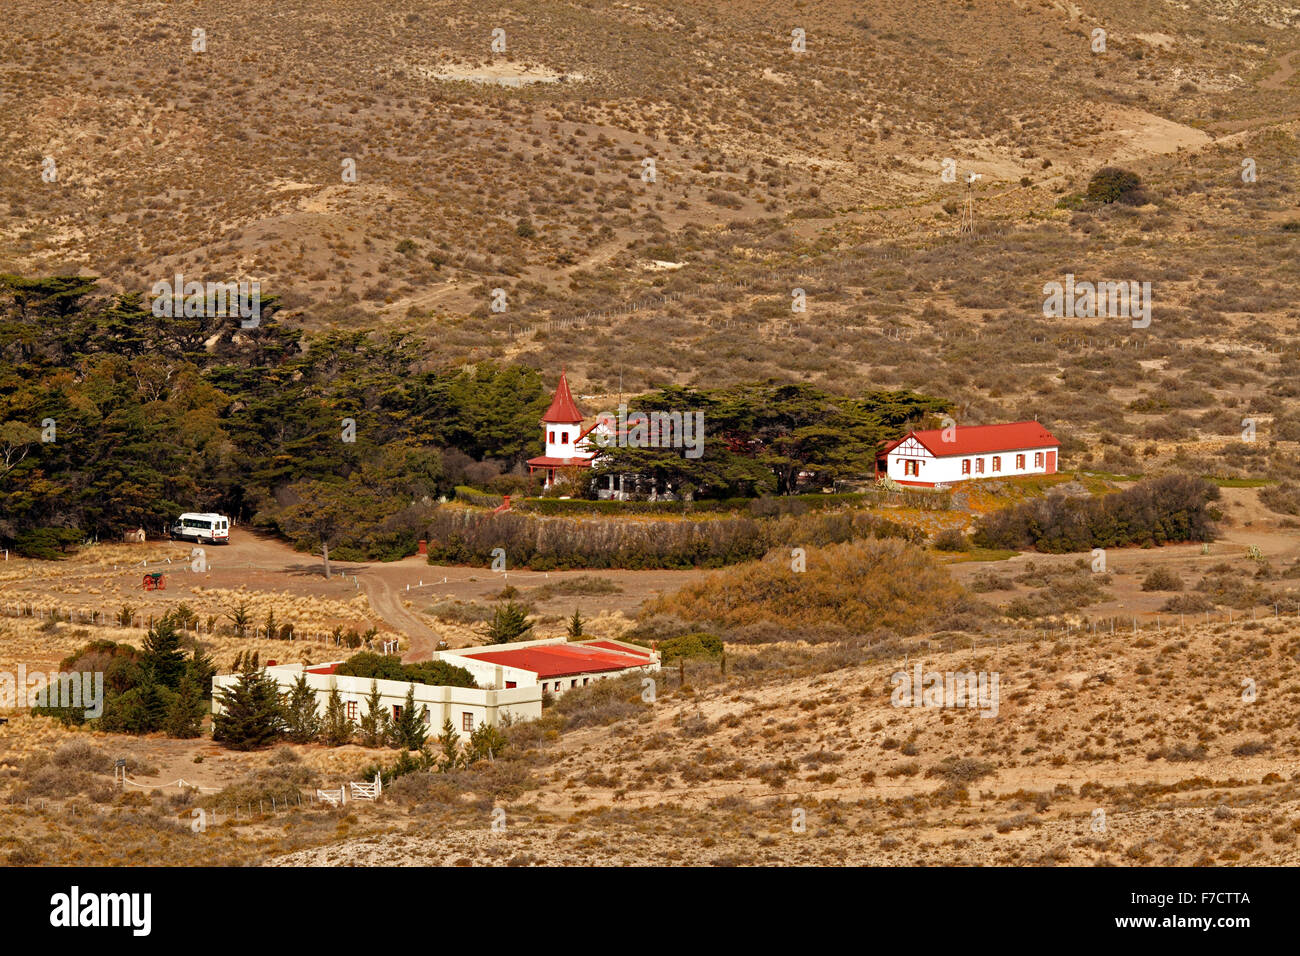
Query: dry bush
[(863, 586)]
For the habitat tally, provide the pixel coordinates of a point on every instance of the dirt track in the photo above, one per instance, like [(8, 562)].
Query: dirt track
[(265, 564)]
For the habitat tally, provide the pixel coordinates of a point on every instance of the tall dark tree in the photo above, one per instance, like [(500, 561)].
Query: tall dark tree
[(185, 713), (337, 727), (302, 722), (509, 623), (161, 654), (251, 713), (374, 724), (410, 729)]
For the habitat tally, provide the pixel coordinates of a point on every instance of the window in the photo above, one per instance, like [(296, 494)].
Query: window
[(911, 467), (352, 710), (550, 437), (997, 462), (574, 682), (1020, 462), (510, 684), (965, 466), (466, 721), (1038, 459), (586, 681), (979, 466), (564, 438), (397, 712)]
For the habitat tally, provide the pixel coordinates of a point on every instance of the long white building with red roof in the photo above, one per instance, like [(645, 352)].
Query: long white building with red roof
[(512, 680), (961, 453), (554, 664)]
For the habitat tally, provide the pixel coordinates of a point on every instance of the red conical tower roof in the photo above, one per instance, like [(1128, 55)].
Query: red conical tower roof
[(563, 410)]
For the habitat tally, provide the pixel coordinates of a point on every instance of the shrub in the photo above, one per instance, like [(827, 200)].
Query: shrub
[(388, 667), (1162, 579), (459, 535), (698, 644), (960, 769), (1251, 747), (1112, 184), (951, 539), (602, 702), (1155, 511), (1188, 604), (860, 586)]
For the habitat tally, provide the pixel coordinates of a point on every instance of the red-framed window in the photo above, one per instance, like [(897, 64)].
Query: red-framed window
[(564, 438), (979, 466), (1038, 459), (550, 437), (965, 466), (997, 462), (1020, 462), (466, 721), (352, 710)]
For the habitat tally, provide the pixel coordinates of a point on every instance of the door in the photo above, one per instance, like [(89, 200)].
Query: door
[(1051, 462)]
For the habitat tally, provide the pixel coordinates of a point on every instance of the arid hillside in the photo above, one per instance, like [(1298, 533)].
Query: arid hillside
[(380, 164), (1153, 732)]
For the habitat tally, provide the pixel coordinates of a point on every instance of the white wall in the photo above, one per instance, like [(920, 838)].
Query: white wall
[(947, 470), (490, 706), (558, 448)]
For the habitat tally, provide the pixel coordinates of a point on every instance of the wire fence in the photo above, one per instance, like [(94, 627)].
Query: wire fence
[(97, 618)]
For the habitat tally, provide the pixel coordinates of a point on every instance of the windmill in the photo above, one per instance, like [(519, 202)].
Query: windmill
[(967, 227)]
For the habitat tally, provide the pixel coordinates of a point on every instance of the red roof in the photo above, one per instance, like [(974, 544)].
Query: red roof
[(981, 439), (612, 646), (563, 410), (562, 660)]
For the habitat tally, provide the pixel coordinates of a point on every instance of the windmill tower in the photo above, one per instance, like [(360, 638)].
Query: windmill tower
[(967, 227)]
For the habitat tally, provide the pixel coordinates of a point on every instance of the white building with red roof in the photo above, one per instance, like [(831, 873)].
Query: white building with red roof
[(511, 678), (554, 664), (949, 455), (565, 442)]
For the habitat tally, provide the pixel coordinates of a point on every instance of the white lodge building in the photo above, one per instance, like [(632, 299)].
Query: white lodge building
[(511, 681), (949, 455)]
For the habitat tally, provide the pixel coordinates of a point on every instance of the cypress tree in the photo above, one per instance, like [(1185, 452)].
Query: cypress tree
[(252, 715), (302, 722), (161, 656), (575, 626), (184, 716), (449, 744), (509, 623), (338, 727), (409, 731), (374, 723)]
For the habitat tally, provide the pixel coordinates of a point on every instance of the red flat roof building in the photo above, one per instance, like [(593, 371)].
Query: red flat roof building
[(565, 660), (942, 456)]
